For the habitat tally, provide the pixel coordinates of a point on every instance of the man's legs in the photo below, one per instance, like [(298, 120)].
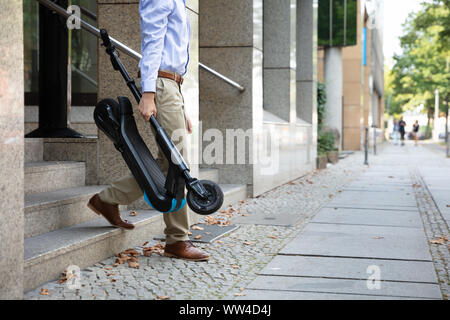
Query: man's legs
[(170, 114)]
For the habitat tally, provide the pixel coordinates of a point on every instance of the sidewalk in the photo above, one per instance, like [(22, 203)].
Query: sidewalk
[(381, 224), (313, 238)]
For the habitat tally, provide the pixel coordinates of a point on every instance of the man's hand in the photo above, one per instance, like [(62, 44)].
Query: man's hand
[(188, 124), (147, 105)]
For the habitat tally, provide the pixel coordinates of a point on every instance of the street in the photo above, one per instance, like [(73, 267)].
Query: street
[(347, 232)]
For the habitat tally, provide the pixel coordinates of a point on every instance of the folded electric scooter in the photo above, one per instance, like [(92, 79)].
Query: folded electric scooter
[(163, 193)]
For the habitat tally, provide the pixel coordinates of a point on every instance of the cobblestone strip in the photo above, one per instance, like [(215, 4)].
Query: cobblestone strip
[(435, 228), (235, 260)]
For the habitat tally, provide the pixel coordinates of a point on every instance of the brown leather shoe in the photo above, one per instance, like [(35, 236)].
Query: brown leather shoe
[(109, 212), (185, 250)]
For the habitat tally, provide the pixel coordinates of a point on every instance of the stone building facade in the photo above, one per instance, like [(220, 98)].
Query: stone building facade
[(268, 47)]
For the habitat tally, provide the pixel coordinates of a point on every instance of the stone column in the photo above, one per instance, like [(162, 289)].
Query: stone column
[(11, 149), (231, 43), (334, 90), (121, 19), (280, 58), (307, 61)]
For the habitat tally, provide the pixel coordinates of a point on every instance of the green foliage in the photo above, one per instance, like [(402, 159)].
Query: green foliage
[(424, 65), (321, 101), (325, 142)]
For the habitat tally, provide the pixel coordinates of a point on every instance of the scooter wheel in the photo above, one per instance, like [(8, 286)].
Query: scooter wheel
[(206, 206)]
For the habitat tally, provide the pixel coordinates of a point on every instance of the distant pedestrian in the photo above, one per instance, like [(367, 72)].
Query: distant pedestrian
[(396, 132), (416, 132), (402, 125)]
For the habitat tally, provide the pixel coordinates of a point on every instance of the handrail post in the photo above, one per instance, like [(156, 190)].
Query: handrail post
[(374, 140), (448, 145), (366, 147)]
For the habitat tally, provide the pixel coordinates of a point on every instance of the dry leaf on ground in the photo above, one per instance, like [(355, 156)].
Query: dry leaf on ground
[(65, 276), (440, 240), (133, 213), (133, 264), (161, 298), (272, 237), (248, 243), (197, 228), (198, 237), (235, 267), (240, 294), (44, 292)]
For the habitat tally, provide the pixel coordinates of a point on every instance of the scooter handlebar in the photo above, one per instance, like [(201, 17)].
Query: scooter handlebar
[(105, 38)]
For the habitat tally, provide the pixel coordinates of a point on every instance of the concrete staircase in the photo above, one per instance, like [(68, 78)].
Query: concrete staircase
[(61, 231)]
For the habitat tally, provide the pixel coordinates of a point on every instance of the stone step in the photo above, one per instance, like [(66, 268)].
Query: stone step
[(210, 174), (34, 149), (49, 211), (45, 176), (48, 255)]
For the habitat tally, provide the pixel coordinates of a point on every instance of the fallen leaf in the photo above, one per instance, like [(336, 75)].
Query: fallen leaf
[(197, 228), (109, 268), (248, 243), (272, 237), (161, 298), (241, 289), (189, 233), (44, 292), (219, 241), (331, 196), (133, 264), (133, 213), (115, 265), (112, 280), (440, 240), (198, 237), (144, 244), (110, 274), (132, 252), (235, 267), (245, 215), (240, 294), (65, 276), (378, 238)]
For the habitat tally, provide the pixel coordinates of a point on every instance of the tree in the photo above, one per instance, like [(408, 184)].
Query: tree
[(424, 63)]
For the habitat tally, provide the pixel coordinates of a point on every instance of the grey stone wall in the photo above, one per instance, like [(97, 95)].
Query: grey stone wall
[(11, 149), (231, 43), (121, 19)]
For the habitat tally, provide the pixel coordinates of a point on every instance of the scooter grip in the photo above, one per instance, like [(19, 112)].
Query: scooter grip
[(105, 37)]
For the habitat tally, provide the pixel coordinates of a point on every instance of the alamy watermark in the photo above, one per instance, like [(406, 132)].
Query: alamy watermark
[(374, 280), (74, 20)]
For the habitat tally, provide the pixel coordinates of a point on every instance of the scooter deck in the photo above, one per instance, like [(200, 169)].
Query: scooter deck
[(116, 120)]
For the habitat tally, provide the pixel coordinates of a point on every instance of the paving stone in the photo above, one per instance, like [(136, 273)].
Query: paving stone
[(369, 217), (360, 241), (262, 295), (393, 289), (344, 268)]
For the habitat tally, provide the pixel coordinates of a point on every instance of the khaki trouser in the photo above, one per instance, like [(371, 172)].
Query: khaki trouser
[(170, 114)]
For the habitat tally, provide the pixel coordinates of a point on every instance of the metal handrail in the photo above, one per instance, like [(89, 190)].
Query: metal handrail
[(120, 46), (221, 76)]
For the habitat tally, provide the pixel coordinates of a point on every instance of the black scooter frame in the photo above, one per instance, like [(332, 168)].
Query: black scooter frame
[(178, 175)]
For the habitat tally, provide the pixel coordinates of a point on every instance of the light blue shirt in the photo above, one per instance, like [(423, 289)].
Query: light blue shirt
[(165, 34)]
